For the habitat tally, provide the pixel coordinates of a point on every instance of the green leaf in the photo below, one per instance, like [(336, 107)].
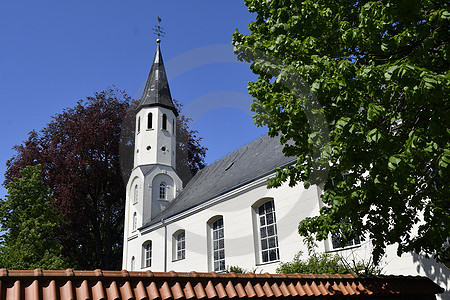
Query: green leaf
[(375, 111)]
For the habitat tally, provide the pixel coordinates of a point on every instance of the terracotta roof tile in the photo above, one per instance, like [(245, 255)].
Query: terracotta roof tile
[(96, 285)]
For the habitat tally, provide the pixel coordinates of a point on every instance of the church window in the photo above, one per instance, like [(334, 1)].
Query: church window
[(139, 124), (149, 121), (147, 254), (162, 191), (164, 122), (336, 241), (336, 237), (132, 265), (180, 241), (134, 221), (268, 232), (136, 194), (218, 245)]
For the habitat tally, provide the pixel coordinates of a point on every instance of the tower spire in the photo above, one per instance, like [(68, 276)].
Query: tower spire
[(156, 91)]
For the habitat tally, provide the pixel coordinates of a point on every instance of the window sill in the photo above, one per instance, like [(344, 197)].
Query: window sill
[(268, 263), (344, 248), (132, 237), (175, 260), (149, 129)]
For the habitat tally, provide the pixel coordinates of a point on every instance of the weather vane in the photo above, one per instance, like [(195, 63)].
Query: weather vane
[(158, 30)]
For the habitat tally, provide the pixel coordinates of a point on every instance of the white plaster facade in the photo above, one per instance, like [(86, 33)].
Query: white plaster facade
[(241, 233)]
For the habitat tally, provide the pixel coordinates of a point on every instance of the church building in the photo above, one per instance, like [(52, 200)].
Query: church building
[(225, 216)]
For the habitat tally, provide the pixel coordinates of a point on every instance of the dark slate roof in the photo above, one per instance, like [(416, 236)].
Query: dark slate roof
[(157, 92), (254, 160)]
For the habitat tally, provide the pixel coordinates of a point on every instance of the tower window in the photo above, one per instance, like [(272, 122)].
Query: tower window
[(173, 126), (149, 121), (164, 122), (268, 232), (136, 194), (147, 254), (132, 265), (218, 245), (180, 240), (162, 191), (139, 124), (134, 226)]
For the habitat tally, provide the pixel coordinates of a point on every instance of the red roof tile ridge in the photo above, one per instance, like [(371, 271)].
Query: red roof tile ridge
[(38, 272), (193, 274)]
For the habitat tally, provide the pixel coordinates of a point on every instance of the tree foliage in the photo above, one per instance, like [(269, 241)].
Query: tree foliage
[(86, 154), (326, 263), (359, 88), (29, 220), (323, 263), (190, 153)]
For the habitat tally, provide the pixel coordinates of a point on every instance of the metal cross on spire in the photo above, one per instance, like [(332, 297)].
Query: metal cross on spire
[(158, 30)]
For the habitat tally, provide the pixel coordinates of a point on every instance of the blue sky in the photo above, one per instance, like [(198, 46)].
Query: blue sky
[(54, 53)]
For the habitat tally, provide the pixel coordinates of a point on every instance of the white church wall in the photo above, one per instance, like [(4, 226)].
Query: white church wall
[(142, 208), (291, 205), (136, 177), (241, 236), (163, 192), (155, 144)]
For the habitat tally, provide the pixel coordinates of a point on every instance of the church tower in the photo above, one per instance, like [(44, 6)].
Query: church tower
[(153, 183), (155, 139)]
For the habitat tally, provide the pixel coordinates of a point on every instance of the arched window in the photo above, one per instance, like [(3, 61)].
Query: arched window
[(164, 121), (173, 126), (138, 124), (133, 264), (147, 254), (149, 121), (268, 232), (136, 194), (180, 245), (134, 226), (162, 191), (218, 245)]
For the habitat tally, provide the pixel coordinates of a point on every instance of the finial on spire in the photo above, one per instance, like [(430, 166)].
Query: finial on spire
[(158, 30)]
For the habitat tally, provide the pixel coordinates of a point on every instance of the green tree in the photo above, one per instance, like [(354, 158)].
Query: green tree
[(29, 221), (326, 263), (323, 263), (359, 88)]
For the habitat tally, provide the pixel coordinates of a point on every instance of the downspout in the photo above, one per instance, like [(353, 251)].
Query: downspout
[(165, 245)]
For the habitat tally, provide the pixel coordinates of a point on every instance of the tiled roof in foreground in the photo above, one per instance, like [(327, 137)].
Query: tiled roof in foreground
[(98, 284)]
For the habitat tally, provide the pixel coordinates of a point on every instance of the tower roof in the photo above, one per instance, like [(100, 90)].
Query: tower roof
[(157, 92)]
